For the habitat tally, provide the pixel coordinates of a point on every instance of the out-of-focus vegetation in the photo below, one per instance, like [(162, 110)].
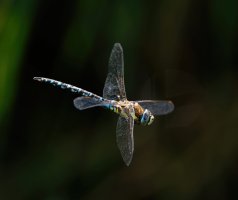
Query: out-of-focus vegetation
[(185, 51)]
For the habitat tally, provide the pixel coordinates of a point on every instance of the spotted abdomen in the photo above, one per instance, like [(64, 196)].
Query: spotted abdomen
[(115, 108)]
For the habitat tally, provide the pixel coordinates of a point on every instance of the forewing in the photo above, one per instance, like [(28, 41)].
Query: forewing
[(157, 107), (82, 103), (124, 136), (114, 88)]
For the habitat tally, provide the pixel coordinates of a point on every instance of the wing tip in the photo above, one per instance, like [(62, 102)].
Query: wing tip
[(117, 45), (76, 105), (127, 158), (171, 106), (128, 164), (127, 161)]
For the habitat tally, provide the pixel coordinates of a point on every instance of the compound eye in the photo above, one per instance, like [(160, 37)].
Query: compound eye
[(145, 117)]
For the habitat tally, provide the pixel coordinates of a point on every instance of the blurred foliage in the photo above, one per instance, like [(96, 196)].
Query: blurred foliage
[(15, 21), (185, 51)]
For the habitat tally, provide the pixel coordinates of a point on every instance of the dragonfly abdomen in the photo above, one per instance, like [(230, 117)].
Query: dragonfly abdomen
[(114, 108), (69, 87)]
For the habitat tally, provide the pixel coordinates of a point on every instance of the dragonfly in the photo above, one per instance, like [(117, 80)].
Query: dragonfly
[(114, 98)]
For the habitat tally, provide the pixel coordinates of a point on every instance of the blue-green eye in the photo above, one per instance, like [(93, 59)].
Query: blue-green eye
[(145, 117)]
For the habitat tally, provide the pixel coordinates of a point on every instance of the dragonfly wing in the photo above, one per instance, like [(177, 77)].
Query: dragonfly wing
[(82, 103), (157, 107), (114, 88), (124, 136)]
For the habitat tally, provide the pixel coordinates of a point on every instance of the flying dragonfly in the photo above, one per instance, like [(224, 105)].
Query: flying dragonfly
[(114, 98)]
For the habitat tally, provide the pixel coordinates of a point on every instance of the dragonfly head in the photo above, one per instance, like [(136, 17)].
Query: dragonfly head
[(147, 118)]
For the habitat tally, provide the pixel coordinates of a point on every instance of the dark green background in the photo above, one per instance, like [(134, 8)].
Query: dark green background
[(183, 50)]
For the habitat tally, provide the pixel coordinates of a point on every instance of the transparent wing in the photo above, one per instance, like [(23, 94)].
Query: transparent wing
[(157, 107), (114, 88), (124, 136), (82, 103)]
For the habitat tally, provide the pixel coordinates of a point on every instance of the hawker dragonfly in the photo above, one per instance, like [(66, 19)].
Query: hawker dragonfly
[(114, 98)]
